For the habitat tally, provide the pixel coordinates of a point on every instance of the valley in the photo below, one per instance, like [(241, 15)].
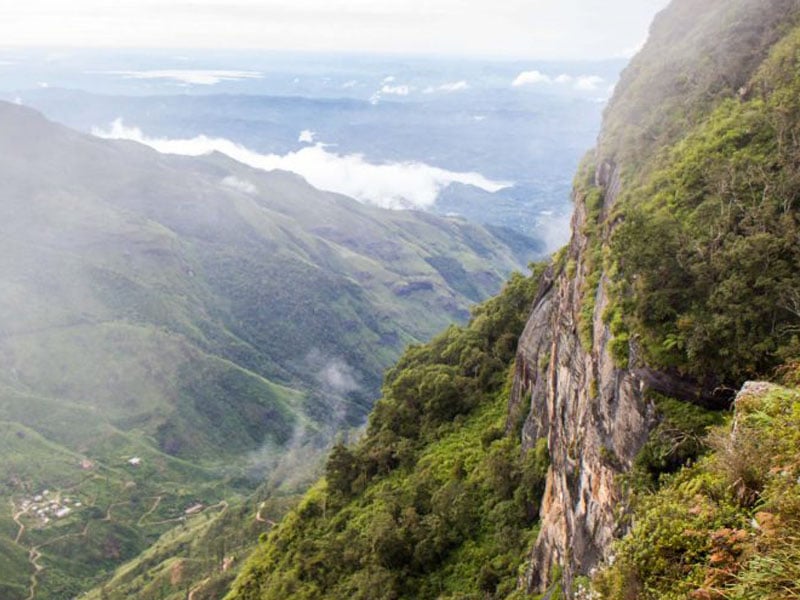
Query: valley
[(169, 342), (284, 325)]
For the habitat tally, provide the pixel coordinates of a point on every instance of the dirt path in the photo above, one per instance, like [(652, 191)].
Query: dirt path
[(261, 519), (112, 505), (140, 522), (33, 557), (15, 515), (197, 588), (34, 554)]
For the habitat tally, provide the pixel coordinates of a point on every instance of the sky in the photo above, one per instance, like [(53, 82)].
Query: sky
[(538, 29)]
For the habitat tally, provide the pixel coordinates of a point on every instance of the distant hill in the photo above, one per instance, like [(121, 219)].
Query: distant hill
[(169, 326)]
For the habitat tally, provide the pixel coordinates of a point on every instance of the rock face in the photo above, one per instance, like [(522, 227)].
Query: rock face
[(592, 414)]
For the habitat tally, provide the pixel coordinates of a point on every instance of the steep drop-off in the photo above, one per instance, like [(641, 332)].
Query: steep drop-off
[(679, 278), (681, 281)]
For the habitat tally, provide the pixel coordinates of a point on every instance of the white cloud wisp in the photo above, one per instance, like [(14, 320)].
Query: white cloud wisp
[(389, 185), (581, 83), (189, 77)]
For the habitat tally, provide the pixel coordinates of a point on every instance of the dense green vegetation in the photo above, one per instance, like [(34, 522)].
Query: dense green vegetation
[(695, 57), (701, 251), (437, 500), (728, 527), (150, 312), (716, 298)]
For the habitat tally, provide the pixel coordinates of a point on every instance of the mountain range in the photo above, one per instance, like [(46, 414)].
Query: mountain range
[(171, 326)]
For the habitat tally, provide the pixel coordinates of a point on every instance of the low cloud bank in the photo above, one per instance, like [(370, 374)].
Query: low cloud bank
[(389, 185), (189, 77), (455, 86), (583, 83)]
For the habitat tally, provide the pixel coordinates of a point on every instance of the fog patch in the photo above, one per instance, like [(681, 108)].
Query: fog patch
[(240, 185), (338, 377), (553, 229), (294, 465)]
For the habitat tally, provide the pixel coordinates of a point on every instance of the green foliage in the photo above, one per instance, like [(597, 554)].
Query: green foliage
[(146, 309), (435, 501), (727, 527), (677, 440), (707, 254), (694, 58)]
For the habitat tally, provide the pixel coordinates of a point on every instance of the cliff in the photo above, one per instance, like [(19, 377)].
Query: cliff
[(590, 394), (610, 332)]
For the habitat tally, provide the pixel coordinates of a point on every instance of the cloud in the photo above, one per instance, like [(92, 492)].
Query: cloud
[(349, 84), (588, 83), (390, 90), (306, 137), (531, 78), (396, 90), (388, 79), (189, 77), (581, 83), (390, 185), (240, 185), (456, 86), (338, 377)]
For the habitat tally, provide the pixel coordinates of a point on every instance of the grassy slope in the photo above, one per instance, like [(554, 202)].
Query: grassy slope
[(728, 527), (147, 309), (436, 500)]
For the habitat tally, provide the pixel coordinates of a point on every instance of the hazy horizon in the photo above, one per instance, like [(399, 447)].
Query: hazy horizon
[(517, 29)]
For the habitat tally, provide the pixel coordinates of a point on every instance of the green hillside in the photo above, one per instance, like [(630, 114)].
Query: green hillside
[(728, 526), (716, 299), (692, 230), (436, 500), (172, 328)]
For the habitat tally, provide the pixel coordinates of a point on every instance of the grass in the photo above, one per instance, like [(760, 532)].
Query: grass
[(148, 311)]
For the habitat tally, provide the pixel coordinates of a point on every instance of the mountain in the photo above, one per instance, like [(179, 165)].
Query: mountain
[(170, 328), (528, 138), (600, 458)]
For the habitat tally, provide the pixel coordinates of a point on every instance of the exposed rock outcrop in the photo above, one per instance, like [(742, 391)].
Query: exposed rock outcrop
[(595, 415)]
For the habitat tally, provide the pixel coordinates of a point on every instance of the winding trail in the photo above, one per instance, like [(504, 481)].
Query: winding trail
[(33, 557), (153, 508), (15, 515), (197, 588), (35, 554), (261, 519), (112, 505)]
